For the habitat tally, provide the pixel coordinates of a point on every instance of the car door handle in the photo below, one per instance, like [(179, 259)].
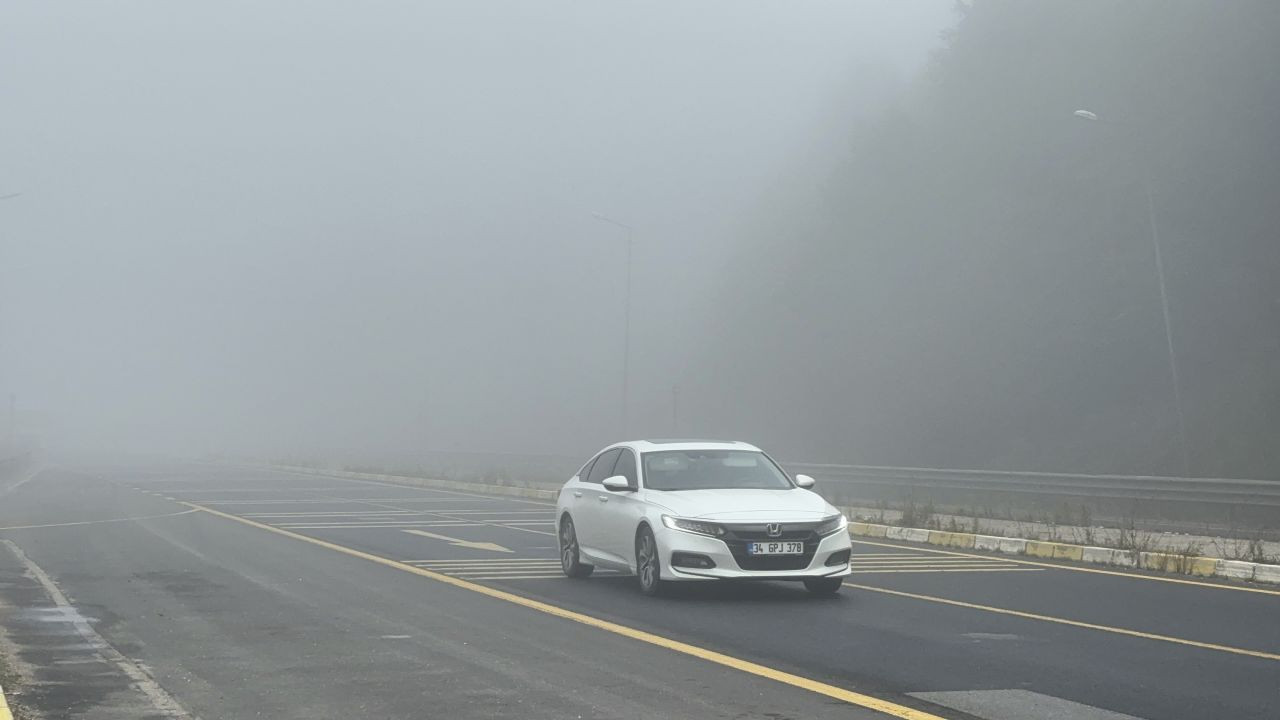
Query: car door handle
[(577, 493), (602, 498)]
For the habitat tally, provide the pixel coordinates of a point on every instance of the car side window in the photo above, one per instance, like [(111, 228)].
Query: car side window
[(586, 470), (626, 467), (603, 466)]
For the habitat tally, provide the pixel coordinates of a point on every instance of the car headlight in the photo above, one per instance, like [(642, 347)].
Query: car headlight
[(697, 527), (832, 525)]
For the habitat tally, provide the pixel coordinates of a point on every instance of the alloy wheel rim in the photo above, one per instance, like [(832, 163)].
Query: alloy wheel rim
[(647, 559), (568, 546)]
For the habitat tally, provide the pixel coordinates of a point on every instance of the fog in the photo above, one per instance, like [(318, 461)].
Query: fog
[(369, 230), (285, 228)]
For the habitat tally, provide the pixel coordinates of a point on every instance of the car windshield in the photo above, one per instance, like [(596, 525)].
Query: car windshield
[(712, 469)]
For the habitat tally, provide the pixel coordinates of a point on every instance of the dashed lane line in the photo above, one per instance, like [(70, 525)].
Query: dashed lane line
[(798, 681)]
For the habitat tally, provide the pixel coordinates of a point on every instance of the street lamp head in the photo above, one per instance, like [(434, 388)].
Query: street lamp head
[(1085, 114)]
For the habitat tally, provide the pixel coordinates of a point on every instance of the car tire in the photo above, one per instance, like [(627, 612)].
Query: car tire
[(570, 562), (648, 563), (823, 587)]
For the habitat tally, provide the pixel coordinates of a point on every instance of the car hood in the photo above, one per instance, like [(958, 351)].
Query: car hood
[(796, 505)]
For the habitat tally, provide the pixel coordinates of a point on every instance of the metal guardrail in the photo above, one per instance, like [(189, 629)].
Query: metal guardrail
[(1219, 491), (888, 483)]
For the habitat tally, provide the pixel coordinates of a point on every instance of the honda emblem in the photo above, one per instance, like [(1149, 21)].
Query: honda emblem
[(773, 530)]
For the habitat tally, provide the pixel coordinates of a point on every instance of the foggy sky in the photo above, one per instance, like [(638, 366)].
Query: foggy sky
[(290, 227)]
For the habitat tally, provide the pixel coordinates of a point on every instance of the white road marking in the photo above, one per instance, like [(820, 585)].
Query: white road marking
[(96, 522), (1017, 705), (163, 702), (334, 501), (461, 543), (334, 513)]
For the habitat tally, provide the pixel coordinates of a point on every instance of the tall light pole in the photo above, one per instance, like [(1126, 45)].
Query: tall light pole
[(1145, 171), (626, 324)]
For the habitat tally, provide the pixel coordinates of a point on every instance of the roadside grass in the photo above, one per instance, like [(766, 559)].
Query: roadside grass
[(1249, 549)]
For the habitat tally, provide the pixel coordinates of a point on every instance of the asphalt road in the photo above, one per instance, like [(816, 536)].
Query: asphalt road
[(218, 592)]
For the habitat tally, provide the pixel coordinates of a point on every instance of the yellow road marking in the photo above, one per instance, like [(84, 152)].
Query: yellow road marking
[(1057, 566), (1073, 623), (96, 522), (798, 681), (4, 707)]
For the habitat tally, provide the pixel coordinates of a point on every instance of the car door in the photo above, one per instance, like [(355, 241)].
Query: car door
[(620, 511), (588, 503)]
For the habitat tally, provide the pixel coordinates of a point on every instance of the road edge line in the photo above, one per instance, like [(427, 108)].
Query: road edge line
[(161, 700)]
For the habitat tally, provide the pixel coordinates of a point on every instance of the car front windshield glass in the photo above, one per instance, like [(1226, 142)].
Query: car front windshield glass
[(712, 469)]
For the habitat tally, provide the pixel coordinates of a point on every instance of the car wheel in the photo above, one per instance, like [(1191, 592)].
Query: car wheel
[(823, 586), (648, 564), (569, 560)]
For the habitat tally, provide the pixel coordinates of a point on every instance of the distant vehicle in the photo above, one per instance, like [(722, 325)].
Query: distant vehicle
[(677, 510)]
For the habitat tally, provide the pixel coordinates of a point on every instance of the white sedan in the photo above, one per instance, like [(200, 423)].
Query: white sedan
[(674, 510)]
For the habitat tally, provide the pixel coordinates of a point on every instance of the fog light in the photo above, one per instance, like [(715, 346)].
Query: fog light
[(840, 557), (691, 560)]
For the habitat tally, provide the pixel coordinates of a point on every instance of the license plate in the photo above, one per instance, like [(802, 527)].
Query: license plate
[(775, 548)]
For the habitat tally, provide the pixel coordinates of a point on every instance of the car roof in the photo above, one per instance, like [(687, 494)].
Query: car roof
[(684, 444)]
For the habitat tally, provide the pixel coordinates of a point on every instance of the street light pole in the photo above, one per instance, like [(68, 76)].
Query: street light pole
[(1145, 171), (626, 324)]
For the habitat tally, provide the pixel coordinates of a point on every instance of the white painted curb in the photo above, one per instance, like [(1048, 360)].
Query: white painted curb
[(1166, 562)]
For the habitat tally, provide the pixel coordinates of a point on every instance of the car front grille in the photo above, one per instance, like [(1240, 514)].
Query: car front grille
[(737, 537)]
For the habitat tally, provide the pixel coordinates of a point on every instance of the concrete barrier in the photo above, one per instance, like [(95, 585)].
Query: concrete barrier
[(1195, 565), (1054, 551), (1237, 569), (951, 539), (1107, 556), (867, 529), (1266, 573)]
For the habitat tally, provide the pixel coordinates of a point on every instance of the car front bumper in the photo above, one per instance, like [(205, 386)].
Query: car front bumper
[(727, 565)]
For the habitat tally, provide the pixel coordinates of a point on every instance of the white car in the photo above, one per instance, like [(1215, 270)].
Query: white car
[(674, 510)]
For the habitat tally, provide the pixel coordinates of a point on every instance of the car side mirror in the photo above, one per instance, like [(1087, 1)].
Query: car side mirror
[(617, 483), (805, 481)]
